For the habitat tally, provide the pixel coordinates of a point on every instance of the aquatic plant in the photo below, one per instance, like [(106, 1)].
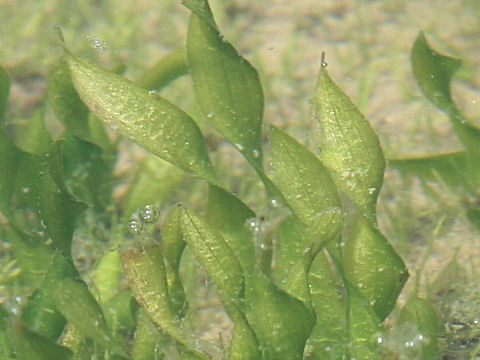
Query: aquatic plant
[(316, 279)]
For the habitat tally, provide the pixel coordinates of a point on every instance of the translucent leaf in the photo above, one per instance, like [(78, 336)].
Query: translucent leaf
[(214, 255), (349, 147), (228, 215), (154, 182), (281, 322), (202, 9), (77, 305), (59, 212), (85, 169), (33, 256), (227, 88), (373, 266), (434, 72), (69, 108), (31, 346), (364, 326), (147, 119), (120, 311), (330, 337), (40, 313), (173, 243), (4, 92), (165, 70), (307, 187), (421, 313), (146, 272), (107, 275), (149, 340), (34, 138), (452, 168), (293, 255), (473, 215)]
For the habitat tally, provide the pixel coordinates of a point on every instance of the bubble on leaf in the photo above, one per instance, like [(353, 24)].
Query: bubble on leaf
[(240, 147), (256, 153), (154, 91), (149, 214), (134, 227)]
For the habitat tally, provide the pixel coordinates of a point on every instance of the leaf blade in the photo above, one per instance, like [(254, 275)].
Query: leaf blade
[(147, 119)]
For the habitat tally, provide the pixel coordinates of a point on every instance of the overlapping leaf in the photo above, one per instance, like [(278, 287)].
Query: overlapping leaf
[(307, 187), (153, 183), (349, 147), (226, 86), (77, 305), (373, 266), (145, 118)]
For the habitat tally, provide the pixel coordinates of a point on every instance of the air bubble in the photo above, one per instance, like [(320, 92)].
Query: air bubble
[(134, 227), (149, 214), (98, 44), (240, 147), (154, 91), (256, 153)]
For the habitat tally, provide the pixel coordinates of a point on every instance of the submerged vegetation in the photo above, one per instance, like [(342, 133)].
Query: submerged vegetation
[(301, 272)]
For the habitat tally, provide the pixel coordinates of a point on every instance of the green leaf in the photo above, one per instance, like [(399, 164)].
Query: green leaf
[(149, 341), (119, 311), (215, 256), (349, 147), (77, 305), (154, 182), (330, 337), (86, 170), (4, 92), (227, 88), (293, 259), (34, 138), (373, 266), (473, 215), (451, 168), (147, 277), (307, 187), (173, 243), (40, 313), (145, 118), (59, 212), (165, 71), (31, 346), (434, 72), (145, 270), (10, 158), (69, 108), (421, 313), (228, 215), (363, 324), (281, 322), (107, 276), (32, 254), (202, 9)]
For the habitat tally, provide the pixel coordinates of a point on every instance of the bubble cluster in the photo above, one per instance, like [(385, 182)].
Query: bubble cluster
[(149, 214)]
